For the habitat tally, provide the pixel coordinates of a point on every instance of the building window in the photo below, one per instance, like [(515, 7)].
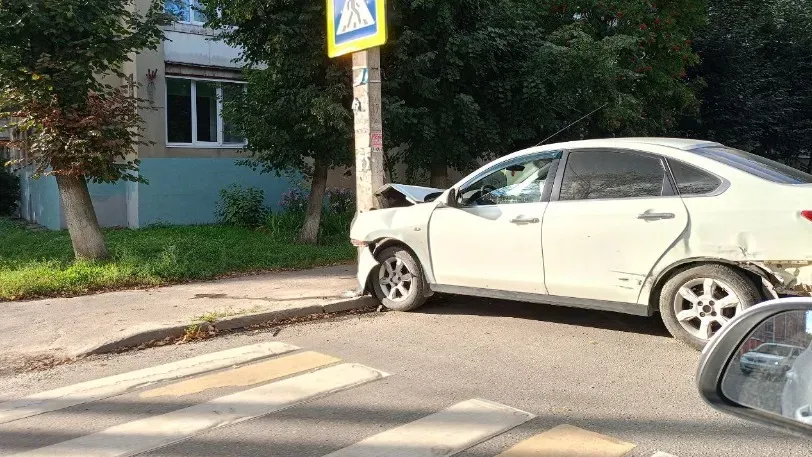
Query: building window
[(188, 11), (194, 113)]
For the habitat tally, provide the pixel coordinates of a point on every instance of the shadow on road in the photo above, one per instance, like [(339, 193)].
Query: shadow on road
[(460, 305)]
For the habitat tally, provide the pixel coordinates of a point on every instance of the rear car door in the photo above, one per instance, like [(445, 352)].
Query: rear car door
[(612, 216)]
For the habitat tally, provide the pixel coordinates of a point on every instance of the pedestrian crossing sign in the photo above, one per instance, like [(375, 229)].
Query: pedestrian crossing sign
[(355, 25)]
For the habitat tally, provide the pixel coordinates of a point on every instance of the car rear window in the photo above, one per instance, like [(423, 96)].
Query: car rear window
[(755, 165)]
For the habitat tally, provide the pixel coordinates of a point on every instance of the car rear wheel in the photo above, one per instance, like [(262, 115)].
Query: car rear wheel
[(699, 301), (399, 283)]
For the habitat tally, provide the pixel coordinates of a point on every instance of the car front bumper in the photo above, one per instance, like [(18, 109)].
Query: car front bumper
[(366, 265), (763, 367)]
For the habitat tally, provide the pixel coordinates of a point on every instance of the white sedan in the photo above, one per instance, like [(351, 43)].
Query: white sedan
[(694, 230)]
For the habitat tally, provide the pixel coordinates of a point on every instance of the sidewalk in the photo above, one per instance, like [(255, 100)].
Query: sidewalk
[(72, 327)]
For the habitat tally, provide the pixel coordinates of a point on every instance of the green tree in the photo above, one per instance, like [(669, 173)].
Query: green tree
[(296, 111), (57, 62), (477, 78), (448, 84), (757, 64), (630, 56)]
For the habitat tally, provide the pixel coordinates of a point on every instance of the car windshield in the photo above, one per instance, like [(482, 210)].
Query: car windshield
[(755, 165), (774, 349)]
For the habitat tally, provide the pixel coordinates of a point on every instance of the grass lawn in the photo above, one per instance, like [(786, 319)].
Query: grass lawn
[(39, 263)]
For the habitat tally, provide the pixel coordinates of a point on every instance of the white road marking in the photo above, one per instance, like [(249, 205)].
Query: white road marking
[(112, 386), (154, 432), (444, 433), (662, 454)]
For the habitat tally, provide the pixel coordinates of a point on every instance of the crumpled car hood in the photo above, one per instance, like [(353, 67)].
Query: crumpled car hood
[(394, 195)]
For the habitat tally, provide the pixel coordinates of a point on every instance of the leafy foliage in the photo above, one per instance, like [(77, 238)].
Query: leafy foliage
[(477, 78), (61, 79), (9, 192), (93, 140), (61, 51), (243, 207), (295, 111), (757, 64)]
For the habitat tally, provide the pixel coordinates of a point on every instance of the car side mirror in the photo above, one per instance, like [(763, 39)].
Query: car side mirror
[(451, 198), (748, 369)]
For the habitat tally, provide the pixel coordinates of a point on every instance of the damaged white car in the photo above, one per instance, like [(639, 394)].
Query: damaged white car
[(694, 230)]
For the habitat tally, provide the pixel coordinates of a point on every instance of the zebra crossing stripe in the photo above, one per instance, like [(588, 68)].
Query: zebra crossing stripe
[(569, 441), (444, 433), (157, 431), (112, 386), (247, 375)]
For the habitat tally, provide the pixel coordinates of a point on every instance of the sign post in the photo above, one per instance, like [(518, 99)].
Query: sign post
[(359, 27)]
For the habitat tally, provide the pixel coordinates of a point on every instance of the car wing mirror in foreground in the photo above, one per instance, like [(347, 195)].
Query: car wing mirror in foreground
[(758, 367)]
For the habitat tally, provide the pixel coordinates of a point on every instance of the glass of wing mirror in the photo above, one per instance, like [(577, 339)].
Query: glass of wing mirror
[(759, 367)]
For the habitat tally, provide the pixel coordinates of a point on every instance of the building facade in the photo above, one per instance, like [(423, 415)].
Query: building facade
[(193, 154)]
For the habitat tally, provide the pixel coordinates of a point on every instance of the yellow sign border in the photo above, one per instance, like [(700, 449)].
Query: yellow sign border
[(335, 50)]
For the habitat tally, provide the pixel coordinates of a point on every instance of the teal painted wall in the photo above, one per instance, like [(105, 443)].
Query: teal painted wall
[(180, 192), (110, 203), (186, 191), (40, 200)]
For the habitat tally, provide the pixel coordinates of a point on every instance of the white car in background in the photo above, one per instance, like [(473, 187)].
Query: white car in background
[(691, 229)]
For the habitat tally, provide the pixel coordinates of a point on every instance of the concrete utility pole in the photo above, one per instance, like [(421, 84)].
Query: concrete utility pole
[(369, 167)]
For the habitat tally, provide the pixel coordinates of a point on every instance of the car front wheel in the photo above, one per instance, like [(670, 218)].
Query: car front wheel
[(399, 283), (699, 301)]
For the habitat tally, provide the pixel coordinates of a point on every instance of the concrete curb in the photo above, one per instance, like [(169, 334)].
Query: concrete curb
[(137, 337)]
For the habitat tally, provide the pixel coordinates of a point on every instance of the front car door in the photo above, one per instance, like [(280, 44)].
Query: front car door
[(613, 215), (491, 237)]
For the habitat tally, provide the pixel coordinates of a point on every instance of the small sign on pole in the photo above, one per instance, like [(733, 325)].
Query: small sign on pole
[(355, 25)]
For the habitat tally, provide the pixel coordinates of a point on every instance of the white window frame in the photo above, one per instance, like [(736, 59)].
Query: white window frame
[(202, 144), (190, 12)]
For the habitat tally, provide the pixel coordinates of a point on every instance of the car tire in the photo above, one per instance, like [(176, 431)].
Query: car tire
[(702, 313), (398, 282)]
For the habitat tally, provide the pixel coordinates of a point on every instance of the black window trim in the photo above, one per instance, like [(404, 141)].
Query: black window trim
[(548, 184), (723, 187), (669, 186)]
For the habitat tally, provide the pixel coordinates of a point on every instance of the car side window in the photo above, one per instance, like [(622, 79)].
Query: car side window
[(607, 174), (517, 183), (691, 180)]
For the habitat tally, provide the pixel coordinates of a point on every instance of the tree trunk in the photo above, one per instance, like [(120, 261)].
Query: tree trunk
[(85, 233), (310, 229), (439, 176)]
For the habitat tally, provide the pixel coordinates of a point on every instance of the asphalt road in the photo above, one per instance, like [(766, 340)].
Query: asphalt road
[(620, 376)]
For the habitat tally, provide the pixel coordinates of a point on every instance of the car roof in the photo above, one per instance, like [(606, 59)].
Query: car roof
[(781, 345), (684, 144)]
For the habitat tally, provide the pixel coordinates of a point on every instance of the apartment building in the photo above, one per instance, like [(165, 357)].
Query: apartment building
[(194, 152)]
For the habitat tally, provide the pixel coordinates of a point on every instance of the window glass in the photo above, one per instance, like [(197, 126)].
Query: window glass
[(692, 180), (197, 14), (179, 9), (518, 183), (179, 110), (206, 99), (755, 165), (231, 92), (601, 174)]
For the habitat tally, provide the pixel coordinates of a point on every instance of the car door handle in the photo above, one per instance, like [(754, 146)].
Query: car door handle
[(521, 220), (649, 216)]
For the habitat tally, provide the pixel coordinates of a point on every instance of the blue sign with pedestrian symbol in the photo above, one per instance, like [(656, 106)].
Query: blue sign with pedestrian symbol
[(355, 25)]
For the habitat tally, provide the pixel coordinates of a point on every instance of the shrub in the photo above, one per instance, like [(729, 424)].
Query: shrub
[(294, 201), (340, 201), (9, 192), (243, 207)]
